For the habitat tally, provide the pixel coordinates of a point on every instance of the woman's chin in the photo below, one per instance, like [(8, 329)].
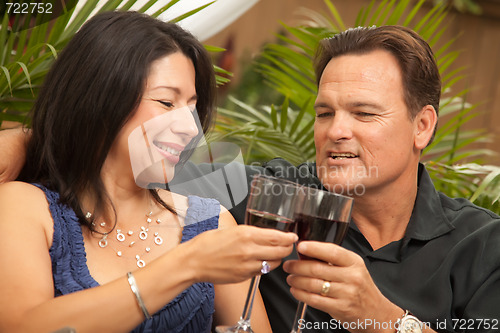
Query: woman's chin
[(155, 174)]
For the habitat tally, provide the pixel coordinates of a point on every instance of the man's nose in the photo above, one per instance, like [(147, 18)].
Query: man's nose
[(340, 126)]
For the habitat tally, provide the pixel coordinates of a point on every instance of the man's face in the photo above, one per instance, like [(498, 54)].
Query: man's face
[(363, 133)]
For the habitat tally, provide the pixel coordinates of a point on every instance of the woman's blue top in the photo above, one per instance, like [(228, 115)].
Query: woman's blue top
[(191, 311)]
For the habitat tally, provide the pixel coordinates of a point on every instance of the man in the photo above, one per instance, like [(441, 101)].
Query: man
[(409, 249), (413, 259)]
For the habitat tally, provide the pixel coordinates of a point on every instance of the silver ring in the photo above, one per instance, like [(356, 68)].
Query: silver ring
[(325, 288), (265, 267)]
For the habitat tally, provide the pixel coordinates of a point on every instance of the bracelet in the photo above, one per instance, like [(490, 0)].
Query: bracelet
[(135, 290)]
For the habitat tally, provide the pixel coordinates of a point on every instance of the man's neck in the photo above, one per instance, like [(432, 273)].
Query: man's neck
[(382, 217)]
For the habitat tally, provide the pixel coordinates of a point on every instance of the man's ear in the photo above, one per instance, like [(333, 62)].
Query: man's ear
[(425, 121)]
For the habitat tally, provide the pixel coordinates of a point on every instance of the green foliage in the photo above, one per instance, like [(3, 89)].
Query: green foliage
[(464, 6), (267, 131), (479, 183), (26, 54), (286, 67)]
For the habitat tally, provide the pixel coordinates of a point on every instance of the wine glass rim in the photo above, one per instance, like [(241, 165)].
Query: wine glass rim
[(277, 179), (307, 188), (312, 189)]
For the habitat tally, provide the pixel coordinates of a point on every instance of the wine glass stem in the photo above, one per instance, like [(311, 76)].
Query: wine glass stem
[(299, 316), (247, 310)]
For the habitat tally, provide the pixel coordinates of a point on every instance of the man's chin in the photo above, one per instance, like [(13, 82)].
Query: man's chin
[(348, 187)]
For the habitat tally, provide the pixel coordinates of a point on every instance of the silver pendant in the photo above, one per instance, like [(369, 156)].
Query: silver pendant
[(158, 239), (103, 242), (140, 263), (144, 233), (119, 235)]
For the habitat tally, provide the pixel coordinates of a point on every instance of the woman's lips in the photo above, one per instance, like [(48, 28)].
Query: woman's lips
[(170, 151)]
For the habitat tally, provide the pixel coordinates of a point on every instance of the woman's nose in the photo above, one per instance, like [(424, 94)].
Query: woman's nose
[(186, 122)]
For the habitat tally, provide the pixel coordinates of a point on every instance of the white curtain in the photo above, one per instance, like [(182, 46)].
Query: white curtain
[(203, 24)]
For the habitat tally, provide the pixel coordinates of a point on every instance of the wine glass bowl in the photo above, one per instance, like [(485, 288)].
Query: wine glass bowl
[(324, 216), (272, 203)]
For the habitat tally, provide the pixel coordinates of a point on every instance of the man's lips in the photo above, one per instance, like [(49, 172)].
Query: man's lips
[(342, 155)]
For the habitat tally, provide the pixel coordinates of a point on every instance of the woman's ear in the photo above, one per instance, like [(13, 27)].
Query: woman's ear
[(425, 124)]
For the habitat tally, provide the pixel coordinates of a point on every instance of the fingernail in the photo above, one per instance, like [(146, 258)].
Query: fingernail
[(285, 265)]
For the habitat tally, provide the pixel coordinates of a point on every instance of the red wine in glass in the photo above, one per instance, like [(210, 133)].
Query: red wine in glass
[(272, 204), (320, 229), (324, 217), (266, 220)]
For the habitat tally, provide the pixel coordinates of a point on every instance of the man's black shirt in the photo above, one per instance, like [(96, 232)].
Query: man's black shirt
[(445, 270)]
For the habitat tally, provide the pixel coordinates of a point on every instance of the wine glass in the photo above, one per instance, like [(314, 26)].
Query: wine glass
[(273, 203), (324, 217)]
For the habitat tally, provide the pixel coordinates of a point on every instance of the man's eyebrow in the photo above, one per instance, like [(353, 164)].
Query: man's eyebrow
[(364, 105), (320, 105)]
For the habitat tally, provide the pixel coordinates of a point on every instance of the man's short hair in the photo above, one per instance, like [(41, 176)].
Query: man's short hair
[(420, 74)]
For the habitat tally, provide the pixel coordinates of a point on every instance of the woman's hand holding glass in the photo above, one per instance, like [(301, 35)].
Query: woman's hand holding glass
[(236, 254)]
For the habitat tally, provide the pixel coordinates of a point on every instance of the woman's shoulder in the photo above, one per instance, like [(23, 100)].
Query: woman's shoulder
[(23, 193), (178, 202), (25, 205), (25, 198)]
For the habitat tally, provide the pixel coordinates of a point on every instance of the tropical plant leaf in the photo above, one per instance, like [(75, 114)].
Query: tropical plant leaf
[(265, 130), (194, 11)]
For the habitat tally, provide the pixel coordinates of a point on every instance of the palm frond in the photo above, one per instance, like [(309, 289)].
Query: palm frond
[(266, 131)]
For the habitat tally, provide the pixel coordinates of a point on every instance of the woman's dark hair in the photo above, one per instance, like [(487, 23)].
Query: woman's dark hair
[(92, 89), (420, 74)]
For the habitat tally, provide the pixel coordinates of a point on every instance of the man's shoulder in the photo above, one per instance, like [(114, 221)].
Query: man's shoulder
[(460, 212)]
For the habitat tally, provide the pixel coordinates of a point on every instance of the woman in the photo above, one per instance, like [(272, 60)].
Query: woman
[(88, 246)]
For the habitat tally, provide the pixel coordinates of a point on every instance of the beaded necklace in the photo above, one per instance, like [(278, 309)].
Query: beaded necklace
[(133, 238)]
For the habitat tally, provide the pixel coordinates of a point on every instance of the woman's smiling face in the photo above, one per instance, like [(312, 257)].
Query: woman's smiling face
[(164, 123)]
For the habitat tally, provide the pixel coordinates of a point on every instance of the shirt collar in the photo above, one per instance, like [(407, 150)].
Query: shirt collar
[(427, 220)]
